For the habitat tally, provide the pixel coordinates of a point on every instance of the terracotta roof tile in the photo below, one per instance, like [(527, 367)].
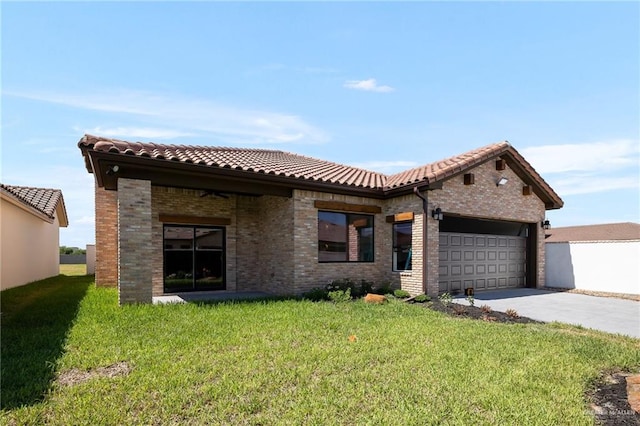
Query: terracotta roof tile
[(444, 168), (253, 160), (45, 200), (296, 166), (604, 232)]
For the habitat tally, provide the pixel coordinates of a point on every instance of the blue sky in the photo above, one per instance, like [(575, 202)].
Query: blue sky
[(385, 86)]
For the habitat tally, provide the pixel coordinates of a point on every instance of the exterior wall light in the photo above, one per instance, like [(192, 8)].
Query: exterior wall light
[(545, 224), (112, 170), (437, 214), (503, 180)]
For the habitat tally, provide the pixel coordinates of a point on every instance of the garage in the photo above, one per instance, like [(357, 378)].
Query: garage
[(483, 255)]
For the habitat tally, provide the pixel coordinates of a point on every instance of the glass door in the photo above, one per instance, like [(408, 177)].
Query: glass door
[(193, 258)]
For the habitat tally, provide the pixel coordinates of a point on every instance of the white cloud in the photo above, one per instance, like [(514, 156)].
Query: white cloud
[(175, 116), (583, 157), (589, 185), (573, 169), (370, 85), (387, 167)]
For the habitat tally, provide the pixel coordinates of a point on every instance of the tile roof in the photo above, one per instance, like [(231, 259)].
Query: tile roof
[(604, 232), (44, 200), (263, 161), (280, 163), (439, 170)]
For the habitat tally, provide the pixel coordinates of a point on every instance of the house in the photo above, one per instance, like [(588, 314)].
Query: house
[(30, 220), (600, 258), (185, 218)]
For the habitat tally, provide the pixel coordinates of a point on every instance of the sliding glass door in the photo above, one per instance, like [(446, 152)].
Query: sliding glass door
[(194, 258)]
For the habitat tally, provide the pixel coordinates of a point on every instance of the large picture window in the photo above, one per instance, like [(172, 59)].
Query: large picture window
[(345, 237), (402, 235), (193, 258)]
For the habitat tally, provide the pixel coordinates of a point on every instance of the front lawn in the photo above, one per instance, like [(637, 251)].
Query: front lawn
[(291, 362)]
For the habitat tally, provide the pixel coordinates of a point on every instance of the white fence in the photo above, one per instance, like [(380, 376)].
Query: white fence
[(608, 266)]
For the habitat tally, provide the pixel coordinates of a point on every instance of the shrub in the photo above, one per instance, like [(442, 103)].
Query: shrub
[(340, 296), (385, 288), (401, 294), (445, 299), (486, 309), (421, 298), (365, 287), (471, 300), (512, 313), (316, 294)]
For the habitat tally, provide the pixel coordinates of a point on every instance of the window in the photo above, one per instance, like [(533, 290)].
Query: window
[(402, 235), (345, 237), (193, 258)]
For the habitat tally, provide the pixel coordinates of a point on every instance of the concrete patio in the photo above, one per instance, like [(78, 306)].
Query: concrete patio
[(210, 296)]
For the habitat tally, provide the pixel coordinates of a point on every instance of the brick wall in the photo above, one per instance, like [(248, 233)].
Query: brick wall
[(485, 200), (188, 202), (309, 273), (134, 235), (411, 281), (272, 242), (276, 239), (106, 208)]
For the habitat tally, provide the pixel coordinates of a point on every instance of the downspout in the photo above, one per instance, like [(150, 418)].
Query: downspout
[(425, 263)]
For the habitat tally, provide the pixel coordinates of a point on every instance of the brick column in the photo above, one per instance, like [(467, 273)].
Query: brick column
[(106, 237), (134, 241)]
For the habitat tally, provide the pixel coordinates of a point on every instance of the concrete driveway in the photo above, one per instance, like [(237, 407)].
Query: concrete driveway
[(601, 313)]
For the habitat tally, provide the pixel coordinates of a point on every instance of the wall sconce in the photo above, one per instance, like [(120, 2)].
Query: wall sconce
[(437, 214), (545, 224), (503, 180), (112, 170)]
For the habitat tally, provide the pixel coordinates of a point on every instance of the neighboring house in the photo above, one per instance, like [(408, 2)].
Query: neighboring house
[(182, 218), (595, 258), (30, 220)]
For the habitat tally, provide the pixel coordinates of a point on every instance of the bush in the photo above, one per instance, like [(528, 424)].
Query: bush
[(316, 294), (401, 294), (471, 300), (486, 309), (445, 299), (385, 288), (512, 313), (340, 296), (356, 289), (421, 298), (365, 287)]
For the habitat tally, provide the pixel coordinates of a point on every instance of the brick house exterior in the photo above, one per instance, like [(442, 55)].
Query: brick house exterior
[(266, 205)]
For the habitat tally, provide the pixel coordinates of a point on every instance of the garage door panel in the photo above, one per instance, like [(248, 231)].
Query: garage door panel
[(481, 261)]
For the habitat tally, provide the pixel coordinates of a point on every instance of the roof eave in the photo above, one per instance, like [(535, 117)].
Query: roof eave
[(24, 206), (197, 176)]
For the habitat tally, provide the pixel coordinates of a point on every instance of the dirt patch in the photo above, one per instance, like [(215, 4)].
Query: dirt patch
[(609, 401), (479, 313), (75, 376)]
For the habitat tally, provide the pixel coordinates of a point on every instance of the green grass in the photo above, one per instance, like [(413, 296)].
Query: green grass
[(73, 269), (292, 362)]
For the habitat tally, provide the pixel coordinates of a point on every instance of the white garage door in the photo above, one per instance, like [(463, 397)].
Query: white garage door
[(482, 262)]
